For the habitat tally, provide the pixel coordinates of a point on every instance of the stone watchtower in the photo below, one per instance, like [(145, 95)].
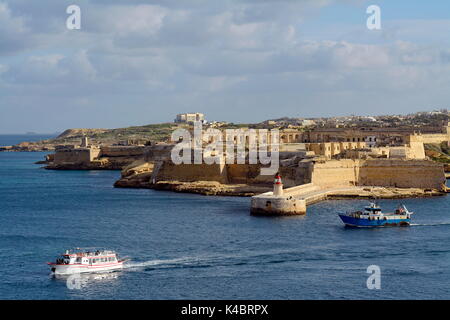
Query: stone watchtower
[(447, 131), (84, 142)]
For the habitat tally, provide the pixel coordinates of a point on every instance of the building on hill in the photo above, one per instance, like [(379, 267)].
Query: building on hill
[(377, 136), (189, 117)]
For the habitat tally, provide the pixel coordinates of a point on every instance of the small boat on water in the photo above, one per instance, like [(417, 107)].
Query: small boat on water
[(373, 217), (81, 260)]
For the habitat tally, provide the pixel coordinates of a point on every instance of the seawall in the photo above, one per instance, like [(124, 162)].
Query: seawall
[(296, 202), (381, 178)]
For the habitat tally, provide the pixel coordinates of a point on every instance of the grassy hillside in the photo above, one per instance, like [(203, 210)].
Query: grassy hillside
[(438, 152), (151, 132)]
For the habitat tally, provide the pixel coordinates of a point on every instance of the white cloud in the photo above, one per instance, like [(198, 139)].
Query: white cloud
[(127, 20), (164, 57), (14, 35)]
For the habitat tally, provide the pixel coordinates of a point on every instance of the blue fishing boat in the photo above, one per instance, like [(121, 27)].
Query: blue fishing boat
[(373, 217)]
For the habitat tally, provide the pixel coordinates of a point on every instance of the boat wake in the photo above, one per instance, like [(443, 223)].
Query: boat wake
[(161, 262), (429, 224), (207, 260)]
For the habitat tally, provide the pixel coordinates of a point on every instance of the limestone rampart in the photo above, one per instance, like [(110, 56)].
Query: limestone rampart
[(169, 171), (122, 151), (335, 173), (379, 172), (77, 155), (402, 174), (435, 138)]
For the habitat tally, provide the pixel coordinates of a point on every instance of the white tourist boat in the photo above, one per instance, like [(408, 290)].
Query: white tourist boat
[(82, 260)]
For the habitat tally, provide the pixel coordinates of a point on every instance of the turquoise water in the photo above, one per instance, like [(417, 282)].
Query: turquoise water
[(185, 246)]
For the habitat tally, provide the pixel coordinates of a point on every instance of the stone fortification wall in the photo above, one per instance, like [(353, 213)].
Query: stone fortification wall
[(122, 151), (230, 173), (398, 173), (435, 138), (294, 176), (77, 155), (415, 150), (401, 173), (335, 173), (223, 173), (158, 152), (379, 172), (168, 171), (246, 173)]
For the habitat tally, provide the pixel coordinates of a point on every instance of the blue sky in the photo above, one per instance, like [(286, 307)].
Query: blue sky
[(137, 62)]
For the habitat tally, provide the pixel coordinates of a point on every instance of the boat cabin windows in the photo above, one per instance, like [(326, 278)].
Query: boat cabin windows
[(102, 260), (63, 260), (371, 210), (78, 260)]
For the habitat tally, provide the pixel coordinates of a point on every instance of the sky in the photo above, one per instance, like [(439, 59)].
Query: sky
[(136, 62)]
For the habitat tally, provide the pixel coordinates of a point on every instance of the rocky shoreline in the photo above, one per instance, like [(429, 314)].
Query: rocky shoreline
[(103, 164), (387, 193), (85, 166), (208, 188), (244, 190)]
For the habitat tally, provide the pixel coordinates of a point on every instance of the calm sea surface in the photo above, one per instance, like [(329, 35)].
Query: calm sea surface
[(186, 246)]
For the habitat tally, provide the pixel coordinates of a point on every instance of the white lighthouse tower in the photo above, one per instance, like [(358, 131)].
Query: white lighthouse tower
[(277, 186)]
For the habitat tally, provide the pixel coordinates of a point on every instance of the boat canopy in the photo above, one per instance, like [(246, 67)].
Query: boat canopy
[(372, 207)]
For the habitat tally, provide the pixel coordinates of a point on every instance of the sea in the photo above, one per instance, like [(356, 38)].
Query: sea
[(187, 246)]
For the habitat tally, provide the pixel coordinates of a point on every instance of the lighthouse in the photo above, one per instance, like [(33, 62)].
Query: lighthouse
[(277, 186)]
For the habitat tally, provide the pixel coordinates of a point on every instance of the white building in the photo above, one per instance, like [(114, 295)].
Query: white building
[(189, 117)]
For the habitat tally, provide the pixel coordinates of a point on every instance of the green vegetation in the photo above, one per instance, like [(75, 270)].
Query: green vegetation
[(151, 132), (154, 132), (438, 152)]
